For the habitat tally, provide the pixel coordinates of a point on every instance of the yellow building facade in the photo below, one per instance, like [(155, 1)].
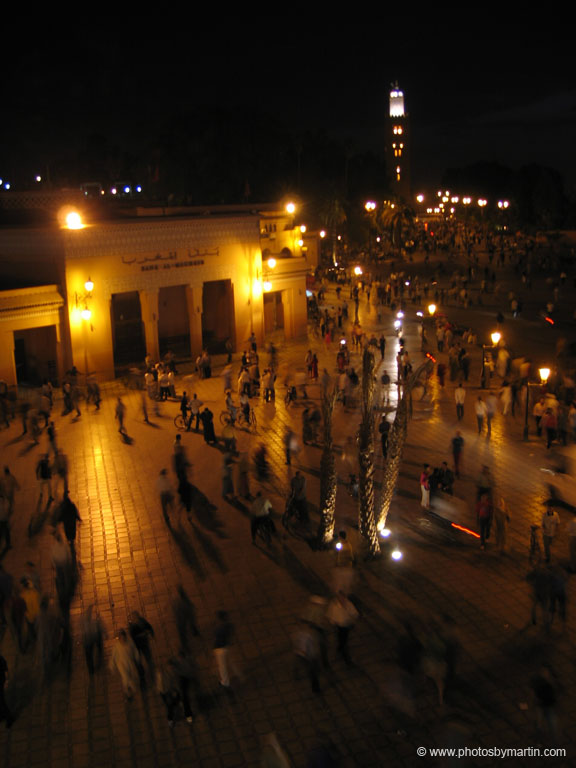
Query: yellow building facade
[(117, 289)]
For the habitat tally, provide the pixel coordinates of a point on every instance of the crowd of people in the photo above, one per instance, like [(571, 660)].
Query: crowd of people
[(41, 620)]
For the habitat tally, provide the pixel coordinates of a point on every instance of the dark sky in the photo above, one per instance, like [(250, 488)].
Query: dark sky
[(476, 90)]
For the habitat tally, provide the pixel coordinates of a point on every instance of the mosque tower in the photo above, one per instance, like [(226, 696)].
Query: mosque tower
[(398, 145)]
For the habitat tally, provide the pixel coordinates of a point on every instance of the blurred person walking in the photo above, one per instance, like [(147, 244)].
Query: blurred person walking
[(93, 636), (44, 477), (425, 487), (125, 661), (342, 614), (550, 523), (185, 615), (459, 398), (481, 413), (484, 512), (166, 493), (223, 633), (67, 514), (120, 415), (457, 445), (141, 632)]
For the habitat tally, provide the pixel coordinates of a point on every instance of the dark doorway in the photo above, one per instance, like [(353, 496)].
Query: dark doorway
[(217, 315), (273, 312), (127, 329), (35, 356), (173, 322)]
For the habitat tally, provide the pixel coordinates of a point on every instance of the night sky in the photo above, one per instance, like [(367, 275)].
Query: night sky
[(475, 90)]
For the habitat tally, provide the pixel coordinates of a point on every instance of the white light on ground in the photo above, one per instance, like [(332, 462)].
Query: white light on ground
[(74, 220), (396, 555)]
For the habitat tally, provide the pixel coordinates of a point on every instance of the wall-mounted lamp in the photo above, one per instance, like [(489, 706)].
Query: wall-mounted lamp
[(83, 299)]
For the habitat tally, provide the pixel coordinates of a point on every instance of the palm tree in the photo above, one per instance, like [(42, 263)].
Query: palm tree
[(333, 216), (328, 478), (396, 441), (398, 218), (366, 520)]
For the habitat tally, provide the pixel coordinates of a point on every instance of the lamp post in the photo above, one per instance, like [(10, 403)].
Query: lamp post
[(544, 373), (86, 315), (495, 338), (370, 207)]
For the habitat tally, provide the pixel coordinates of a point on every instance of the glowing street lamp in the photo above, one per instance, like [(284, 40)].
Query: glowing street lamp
[(370, 206), (544, 374), (431, 309), (495, 337)]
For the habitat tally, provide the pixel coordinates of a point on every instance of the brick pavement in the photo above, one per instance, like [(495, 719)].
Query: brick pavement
[(131, 560)]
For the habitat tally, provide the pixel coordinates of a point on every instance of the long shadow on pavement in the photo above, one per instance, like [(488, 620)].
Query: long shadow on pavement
[(210, 549), (303, 575), (184, 543)]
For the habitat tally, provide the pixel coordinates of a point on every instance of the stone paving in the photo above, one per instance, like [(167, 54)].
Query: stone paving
[(130, 560)]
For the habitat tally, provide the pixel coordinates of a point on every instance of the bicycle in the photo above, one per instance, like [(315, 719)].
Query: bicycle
[(535, 552), (180, 422), (240, 420)]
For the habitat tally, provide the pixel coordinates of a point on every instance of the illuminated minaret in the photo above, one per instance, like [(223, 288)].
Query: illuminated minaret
[(397, 145)]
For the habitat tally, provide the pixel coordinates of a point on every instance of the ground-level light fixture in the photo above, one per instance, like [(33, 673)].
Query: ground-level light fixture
[(544, 374), (74, 220), (357, 270)]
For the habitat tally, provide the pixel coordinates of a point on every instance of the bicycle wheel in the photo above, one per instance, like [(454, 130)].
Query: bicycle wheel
[(179, 422), (225, 418)]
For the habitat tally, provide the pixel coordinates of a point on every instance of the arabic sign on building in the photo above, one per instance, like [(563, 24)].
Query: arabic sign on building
[(171, 260)]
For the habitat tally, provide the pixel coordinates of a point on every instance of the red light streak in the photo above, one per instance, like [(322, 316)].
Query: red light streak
[(466, 530)]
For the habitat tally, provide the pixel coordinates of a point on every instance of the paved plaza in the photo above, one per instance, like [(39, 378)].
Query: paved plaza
[(131, 560)]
